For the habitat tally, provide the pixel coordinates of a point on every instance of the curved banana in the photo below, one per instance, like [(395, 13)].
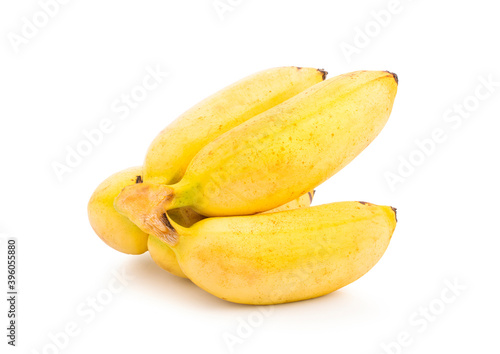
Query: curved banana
[(274, 157), (284, 256), (115, 229), (172, 150)]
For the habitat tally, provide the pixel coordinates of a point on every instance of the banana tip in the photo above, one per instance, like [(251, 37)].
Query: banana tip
[(395, 213), (394, 75), (323, 72)]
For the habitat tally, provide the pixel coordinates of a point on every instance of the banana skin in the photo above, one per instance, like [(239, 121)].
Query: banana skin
[(116, 230), (284, 256), (274, 157), (173, 149)]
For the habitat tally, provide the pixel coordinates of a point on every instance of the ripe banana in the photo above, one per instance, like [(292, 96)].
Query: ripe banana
[(163, 255), (172, 150), (114, 229), (274, 157), (285, 256)]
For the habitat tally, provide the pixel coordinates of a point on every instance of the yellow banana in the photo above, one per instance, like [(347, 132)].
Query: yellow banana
[(114, 229), (274, 157), (172, 150), (163, 255), (285, 256)]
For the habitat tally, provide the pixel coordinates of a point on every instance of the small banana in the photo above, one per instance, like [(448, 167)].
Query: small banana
[(274, 157), (163, 256), (284, 256), (114, 229), (172, 150)]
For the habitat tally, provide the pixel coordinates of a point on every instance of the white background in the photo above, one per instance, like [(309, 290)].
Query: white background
[(65, 78)]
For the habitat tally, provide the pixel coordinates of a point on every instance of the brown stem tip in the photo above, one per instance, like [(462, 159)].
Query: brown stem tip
[(324, 72), (394, 75), (395, 213)]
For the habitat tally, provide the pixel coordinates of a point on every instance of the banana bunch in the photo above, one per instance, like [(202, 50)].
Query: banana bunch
[(224, 193)]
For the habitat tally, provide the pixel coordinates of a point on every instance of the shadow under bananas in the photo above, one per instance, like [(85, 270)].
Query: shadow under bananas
[(160, 284)]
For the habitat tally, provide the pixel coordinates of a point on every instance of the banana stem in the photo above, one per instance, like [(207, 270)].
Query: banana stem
[(145, 204)]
